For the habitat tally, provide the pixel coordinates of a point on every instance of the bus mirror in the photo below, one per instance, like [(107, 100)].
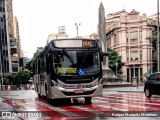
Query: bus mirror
[(103, 54)]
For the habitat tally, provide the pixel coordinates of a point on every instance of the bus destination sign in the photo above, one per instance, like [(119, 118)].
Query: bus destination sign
[(74, 43), (88, 43)]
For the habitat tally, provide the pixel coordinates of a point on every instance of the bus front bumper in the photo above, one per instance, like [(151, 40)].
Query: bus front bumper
[(60, 92)]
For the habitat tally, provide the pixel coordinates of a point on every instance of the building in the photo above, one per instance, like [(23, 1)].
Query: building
[(5, 36), (9, 62), (19, 54), (92, 36), (127, 33), (61, 34)]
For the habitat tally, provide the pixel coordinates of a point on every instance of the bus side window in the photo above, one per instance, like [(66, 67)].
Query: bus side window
[(44, 63), (34, 69), (47, 64), (39, 66)]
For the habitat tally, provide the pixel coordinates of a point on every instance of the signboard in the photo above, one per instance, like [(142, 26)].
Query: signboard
[(67, 70), (81, 72), (74, 43)]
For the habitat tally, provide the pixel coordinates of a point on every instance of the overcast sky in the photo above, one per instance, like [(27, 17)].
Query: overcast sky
[(39, 18)]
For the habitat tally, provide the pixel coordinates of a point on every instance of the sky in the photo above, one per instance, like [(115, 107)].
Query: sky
[(39, 18)]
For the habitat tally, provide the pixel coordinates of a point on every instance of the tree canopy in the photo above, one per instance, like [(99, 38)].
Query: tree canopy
[(153, 39), (22, 77), (113, 57)]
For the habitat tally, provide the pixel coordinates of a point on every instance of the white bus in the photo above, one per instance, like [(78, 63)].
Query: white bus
[(69, 68)]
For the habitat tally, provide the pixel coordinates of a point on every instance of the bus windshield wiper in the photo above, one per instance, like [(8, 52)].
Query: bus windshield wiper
[(86, 54), (68, 56)]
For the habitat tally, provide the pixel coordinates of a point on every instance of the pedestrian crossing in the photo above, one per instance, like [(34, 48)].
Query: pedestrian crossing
[(101, 106)]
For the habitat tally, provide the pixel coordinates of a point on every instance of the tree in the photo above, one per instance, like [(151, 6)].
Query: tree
[(30, 64), (153, 39), (6, 81), (22, 77), (113, 57)]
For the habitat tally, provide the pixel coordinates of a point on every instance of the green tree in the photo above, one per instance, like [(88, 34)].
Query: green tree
[(6, 81), (22, 77), (153, 39), (113, 57), (30, 64)]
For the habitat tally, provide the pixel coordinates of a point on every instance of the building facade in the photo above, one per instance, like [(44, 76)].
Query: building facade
[(9, 58), (61, 34), (19, 55), (5, 56), (127, 33)]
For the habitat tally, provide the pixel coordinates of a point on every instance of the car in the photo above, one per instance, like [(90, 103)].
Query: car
[(152, 85)]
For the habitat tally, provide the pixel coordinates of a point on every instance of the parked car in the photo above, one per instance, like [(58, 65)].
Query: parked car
[(152, 85)]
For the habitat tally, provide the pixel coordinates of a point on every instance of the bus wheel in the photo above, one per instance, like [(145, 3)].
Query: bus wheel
[(88, 100), (67, 100), (39, 95), (47, 96)]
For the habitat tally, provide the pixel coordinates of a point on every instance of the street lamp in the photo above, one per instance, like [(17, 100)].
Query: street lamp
[(77, 25), (116, 68), (134, 58)]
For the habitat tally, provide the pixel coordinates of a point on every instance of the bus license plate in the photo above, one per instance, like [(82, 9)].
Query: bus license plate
[(78, 91)]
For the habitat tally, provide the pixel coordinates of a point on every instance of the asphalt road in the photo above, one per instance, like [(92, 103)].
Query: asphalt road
[(126, 104)]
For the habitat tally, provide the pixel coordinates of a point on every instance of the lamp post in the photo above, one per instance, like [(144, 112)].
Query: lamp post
[(134, 75), (77, 25), (1, 69), (158, 35), (116, 68)]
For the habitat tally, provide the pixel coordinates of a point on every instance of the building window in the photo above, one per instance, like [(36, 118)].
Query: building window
[(134, 36), (140, 55), (115, 39), (140, 36)]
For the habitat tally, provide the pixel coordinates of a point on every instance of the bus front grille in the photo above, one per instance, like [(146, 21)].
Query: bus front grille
[(73, 93)]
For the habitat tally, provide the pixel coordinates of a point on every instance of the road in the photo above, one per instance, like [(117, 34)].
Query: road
[(112, 106)]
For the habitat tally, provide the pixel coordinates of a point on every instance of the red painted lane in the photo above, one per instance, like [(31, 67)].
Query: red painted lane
[(138, 101), (96, 107), (71, 109), (145, 100), (14, 105), (78, 111), (44, 110), (126, 106), (47, 111)]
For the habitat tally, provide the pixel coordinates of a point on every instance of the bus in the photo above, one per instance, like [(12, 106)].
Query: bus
[(69, 68)]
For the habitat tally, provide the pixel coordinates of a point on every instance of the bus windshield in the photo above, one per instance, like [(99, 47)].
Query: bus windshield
[(76, 63)]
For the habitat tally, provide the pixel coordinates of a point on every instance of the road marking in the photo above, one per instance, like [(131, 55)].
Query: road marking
[(88, 110), (62, 111), (122, 102), (107, 106)]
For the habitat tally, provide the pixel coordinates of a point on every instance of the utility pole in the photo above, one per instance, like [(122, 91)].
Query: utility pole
[(77, 27), (1, 69), (158, 36), (116, 68)]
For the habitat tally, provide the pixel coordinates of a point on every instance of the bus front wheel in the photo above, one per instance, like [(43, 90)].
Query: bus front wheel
[(88, 100), (47, 96)]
